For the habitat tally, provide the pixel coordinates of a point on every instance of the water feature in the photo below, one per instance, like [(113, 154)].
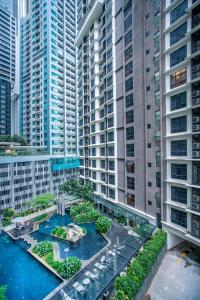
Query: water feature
[(25, 277), (84, 249)]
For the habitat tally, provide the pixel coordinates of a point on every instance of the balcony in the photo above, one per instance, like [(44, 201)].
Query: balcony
[(196, 68), (195, 94), (196, 173), (196, 147), (195, 200), (195, 226), (196, 120), (195, 42), (196, 16)]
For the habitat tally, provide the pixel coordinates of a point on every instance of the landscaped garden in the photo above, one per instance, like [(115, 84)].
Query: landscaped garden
[(66, 269), (36, 204), (85, 212)]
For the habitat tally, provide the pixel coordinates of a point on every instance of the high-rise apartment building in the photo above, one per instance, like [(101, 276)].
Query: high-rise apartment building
[(7, 68), (181, 120), (48, 76), (119, 102)]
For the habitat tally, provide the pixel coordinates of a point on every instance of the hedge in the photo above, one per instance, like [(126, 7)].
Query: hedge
[(127, 286)]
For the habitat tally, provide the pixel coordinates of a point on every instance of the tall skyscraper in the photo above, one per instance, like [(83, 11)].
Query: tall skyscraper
[(181, 120), (48, 76), (119, 101), (7, 68)]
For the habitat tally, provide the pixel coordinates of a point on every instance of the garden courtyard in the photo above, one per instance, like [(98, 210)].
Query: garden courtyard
[(81, 252)]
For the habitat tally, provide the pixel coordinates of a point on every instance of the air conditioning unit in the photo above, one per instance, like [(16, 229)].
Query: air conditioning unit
[(196, 154), (196, 198), (196, 93), (195, 224), (195, 231), (196, 101), (195, 119), (196, 145), (196, 206), (195, 127), (195, 75)]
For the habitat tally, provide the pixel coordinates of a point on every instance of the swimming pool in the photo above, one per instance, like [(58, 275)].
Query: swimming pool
[(25, 277), (84, 249)]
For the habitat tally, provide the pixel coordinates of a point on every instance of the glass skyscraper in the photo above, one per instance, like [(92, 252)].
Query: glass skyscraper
[(48, 76)]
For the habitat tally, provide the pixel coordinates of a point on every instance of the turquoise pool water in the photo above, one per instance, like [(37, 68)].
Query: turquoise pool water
[(88, 246), (25, 277)]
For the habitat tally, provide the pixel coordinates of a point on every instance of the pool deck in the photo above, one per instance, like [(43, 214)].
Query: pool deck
[(117, 235)]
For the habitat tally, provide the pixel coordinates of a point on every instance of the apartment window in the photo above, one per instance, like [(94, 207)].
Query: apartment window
[(149, 164), (103, 151), (131, 199), (129, 100), (179, 148), (130, 183), (110, 108), (111, 151), (179, 217), (111, 165), (130, 133), (178, 11), (179, 124), (102, 138), (129, 116), (148, 126), (103, 177), (128, 53), (110, 136), (130, 150), (112, 194), (149, 145), (102, 113), (130, 167), (179, 171), (178, 56), (110, 122), (178, 78), (148, 88), (178, 34), (103, 189), (129, 84), (147, 52), (129, 68), (128, 38), (178, 101), (127, 23), (102, 164), (102, 126), (158, 179), (148, 107), (94, 163), (157, 97), (179, 194), (111, 179)]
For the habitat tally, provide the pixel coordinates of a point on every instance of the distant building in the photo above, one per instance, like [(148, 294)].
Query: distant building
[(48, 107), (7, 68)]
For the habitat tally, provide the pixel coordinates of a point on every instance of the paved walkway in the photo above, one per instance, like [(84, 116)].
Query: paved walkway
[(179, 275), (118, 235)]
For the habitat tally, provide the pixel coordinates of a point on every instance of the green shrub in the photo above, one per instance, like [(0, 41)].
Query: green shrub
[(40, 218), (69, 267), (84, 212), (3, 289), (43, 248), (125, 284), (103, 224), (140, 267)]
